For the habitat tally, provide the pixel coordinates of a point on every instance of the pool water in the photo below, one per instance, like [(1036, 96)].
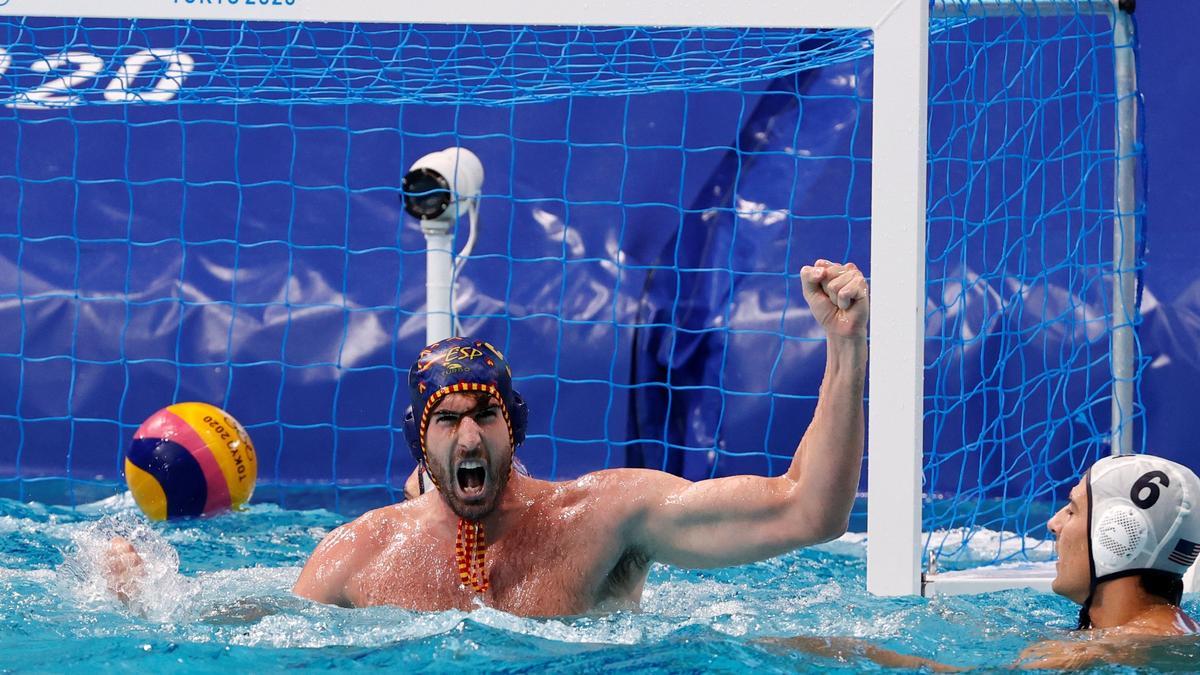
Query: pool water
[(221, 602)]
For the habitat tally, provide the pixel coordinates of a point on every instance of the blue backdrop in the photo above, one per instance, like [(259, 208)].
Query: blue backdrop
[(256, 256)]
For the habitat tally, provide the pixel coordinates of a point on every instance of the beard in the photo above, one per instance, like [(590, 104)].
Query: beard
[(466, 496)]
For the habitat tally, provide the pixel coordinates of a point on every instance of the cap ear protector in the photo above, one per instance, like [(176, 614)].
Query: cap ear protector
[(412, 436)]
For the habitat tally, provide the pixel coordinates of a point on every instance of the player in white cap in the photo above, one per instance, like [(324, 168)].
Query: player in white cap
[(1128, 534), (1134, 518)]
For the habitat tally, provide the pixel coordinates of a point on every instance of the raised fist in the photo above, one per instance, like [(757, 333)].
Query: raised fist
[(838, 297)]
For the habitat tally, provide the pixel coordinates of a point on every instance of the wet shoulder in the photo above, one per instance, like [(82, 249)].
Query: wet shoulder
[(371, 531), (1164, 621), (613, 489)]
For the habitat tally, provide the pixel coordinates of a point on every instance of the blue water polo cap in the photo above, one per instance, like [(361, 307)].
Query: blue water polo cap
[(460, 365)]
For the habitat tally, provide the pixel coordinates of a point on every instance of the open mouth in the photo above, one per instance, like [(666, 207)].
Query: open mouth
[(471, 476)]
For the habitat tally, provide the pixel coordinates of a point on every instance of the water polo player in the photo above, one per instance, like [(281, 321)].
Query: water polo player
[(495, 536), (1128, 534)]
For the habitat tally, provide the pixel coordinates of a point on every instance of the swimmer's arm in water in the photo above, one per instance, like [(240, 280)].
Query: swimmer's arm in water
[(328, 576), (1065, 655), (1047, 655), (123, 570), (1124, 645), (845, 649), (125, 574), (739, 519)]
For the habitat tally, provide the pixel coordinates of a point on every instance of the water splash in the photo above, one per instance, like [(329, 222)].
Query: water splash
[(220, 595), (164, 596)]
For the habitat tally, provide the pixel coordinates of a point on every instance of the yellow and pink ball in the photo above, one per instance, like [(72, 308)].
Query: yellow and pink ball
[(189, 460)]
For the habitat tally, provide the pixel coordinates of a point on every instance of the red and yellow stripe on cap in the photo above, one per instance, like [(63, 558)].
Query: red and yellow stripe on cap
[(460, 388)]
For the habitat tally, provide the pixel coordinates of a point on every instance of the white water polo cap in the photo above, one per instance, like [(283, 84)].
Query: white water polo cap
[(1144, 515)]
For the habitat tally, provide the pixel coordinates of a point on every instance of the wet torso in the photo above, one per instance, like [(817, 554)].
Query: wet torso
[(560, 554)]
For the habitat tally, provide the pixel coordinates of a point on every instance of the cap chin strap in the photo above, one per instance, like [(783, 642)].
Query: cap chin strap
[(424, 479), (1085, 611), (470, 555), (470, 543)]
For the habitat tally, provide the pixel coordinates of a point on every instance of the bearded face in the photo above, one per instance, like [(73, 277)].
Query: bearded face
[(467, 450)]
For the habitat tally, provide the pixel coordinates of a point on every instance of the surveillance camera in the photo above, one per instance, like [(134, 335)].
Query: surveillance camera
[(442, 185)]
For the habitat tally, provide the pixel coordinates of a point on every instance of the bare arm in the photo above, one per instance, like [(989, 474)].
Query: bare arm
[(845, 649), (344, 552), (734, 520), (324, 578), (1126, 646), (1066, 655)]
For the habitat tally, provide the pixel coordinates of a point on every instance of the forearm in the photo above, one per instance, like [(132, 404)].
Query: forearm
[(852, 649), (741, 518), (826, 467), (737, 519)]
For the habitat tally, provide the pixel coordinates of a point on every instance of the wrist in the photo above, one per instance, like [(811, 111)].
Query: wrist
[(846, 354), (852, 343)]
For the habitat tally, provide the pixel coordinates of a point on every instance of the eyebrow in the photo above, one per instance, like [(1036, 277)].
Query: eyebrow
[(481, 406)]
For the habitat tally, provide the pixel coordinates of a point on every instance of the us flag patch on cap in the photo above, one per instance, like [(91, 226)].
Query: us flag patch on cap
[(1185, 553)]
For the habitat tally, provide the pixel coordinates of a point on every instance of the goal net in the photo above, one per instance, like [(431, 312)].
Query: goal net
[(210, 210)]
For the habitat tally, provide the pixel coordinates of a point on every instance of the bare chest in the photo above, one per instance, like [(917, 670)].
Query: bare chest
[(540, 569)]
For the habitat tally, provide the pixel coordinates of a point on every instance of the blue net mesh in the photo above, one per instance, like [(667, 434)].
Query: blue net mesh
[(365, 63), (1020, 273), (220, 221)]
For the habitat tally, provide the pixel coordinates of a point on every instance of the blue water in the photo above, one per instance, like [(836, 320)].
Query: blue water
[(221, 601)]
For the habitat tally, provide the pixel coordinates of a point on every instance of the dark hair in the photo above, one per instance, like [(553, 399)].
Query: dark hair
[(1165, 585), (1158, 583)]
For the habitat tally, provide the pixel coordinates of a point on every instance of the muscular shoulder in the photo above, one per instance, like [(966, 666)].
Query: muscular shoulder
[(618, 490), (1133, 643), (634, 483), (347, 550), (368, 530), (1163, 621)]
